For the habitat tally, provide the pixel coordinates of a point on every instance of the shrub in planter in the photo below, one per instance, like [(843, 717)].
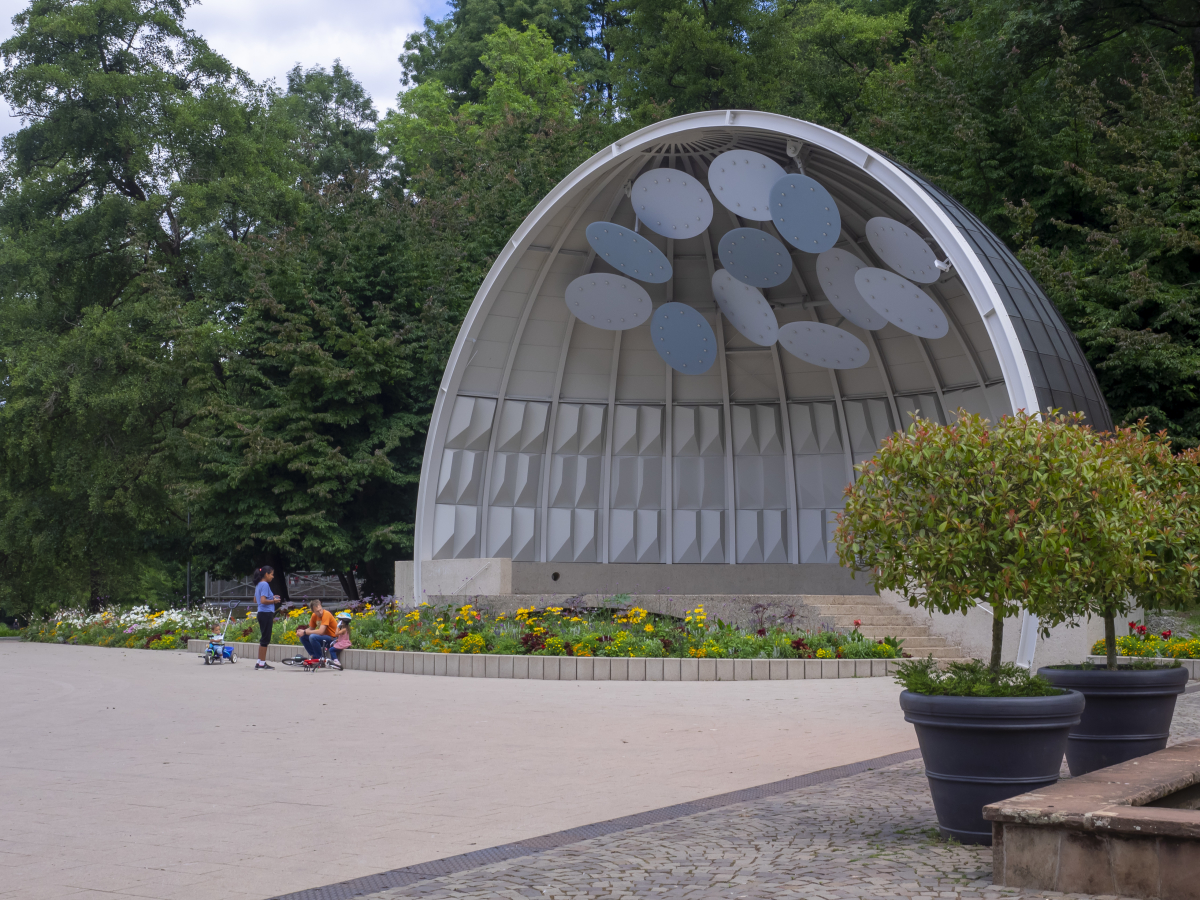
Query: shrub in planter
[(1022, 514), (1129, 709)]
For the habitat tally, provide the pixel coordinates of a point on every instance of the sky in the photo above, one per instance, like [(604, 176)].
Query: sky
[(268, 37)]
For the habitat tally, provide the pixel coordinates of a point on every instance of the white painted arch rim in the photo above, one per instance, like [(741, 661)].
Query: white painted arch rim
[(543, 232)]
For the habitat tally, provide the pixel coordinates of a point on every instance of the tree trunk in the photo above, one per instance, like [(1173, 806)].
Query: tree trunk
[(1195, 42), (997, 639), (279, 585), (349, 585), (1110, 641)]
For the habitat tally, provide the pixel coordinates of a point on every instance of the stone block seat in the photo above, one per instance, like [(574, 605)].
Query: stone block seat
[(1131, 830)]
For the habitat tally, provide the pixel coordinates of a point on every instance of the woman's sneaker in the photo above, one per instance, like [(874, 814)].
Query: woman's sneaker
[(262, 665), (335, 665)]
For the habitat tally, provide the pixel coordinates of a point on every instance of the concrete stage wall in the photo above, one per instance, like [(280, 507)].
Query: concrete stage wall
[(505, 576)]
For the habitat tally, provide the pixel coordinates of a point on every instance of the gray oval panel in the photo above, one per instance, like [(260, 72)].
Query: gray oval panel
[(628, 252), (902, 303), (611, 302), (683, 338), (671, 203), (746, 309), (823, 345), (754, 257), (835, 273), (742, 180), (805, 214), (903, 249)]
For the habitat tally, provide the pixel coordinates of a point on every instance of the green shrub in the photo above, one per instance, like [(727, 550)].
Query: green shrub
[(971, 679)]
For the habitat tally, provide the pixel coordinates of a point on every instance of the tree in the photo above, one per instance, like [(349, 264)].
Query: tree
[(1171, 488), (141, 148), (306, 447), (451, 50), (1027, 514), (336, 120)]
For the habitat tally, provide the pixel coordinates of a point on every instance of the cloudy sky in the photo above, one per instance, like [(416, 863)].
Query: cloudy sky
[(268, 37)]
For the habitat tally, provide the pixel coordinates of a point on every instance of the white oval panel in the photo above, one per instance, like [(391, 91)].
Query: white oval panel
[(754, 257), (746, 309), (683, 338), (903, 249), (611, 302), (628, 252), (901, 302), (742, 180), (671, 203), (835, 273), (823, 345), (805, 214)]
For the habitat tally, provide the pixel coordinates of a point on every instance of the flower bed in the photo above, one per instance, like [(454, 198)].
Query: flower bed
[(615, 631), (1142, 643), (139, 627)]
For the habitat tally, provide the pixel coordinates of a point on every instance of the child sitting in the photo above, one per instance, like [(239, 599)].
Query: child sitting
[(342, 640)]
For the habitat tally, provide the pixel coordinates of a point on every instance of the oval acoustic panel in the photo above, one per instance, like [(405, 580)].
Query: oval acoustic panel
[(683, 338), (671, 203), (611, 302), (754, 257), (903, 250), (901, 302), (805, 214), (823, 345), (628, 252), (742, 180), (835, 273), (746, 309)]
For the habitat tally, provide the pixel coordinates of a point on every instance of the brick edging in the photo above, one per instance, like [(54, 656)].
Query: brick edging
[(573, 668)]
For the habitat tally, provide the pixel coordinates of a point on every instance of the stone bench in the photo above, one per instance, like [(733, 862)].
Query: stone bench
[(1132, 829)]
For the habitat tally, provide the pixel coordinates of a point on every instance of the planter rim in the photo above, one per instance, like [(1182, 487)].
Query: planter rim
[(1142, 683), (1054, 707)]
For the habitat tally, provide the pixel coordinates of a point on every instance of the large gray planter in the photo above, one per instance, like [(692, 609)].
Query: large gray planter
[(978, 750), (1128, 713)]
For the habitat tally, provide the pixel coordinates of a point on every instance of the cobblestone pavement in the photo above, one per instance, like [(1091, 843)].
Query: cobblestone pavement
[(866, 836)]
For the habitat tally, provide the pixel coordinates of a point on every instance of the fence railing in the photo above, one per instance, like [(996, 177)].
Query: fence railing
[(300, 585)]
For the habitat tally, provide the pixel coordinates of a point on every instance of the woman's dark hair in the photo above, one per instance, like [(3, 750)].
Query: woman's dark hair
[(262, 572)]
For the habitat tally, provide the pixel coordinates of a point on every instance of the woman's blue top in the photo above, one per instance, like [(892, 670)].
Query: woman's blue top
[(265, 597)]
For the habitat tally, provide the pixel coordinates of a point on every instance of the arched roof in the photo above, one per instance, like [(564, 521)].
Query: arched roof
[(556, 441)]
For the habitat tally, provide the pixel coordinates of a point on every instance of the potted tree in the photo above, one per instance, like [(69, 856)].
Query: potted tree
[(1130, 708), (1011, 516)]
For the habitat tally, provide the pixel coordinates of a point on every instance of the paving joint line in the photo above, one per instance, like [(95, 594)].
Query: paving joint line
[(475, 859)]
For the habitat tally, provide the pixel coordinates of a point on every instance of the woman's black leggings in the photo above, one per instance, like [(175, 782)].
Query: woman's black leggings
[(266, 621)]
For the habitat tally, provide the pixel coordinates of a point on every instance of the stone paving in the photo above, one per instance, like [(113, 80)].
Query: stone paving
[(867, 836)]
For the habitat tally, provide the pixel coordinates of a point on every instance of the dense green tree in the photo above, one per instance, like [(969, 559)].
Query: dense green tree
[(141, 148), (335, 120), (451, 50), (305, 449)]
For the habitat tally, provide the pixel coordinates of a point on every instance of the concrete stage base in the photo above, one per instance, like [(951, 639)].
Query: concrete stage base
[(506, 576)]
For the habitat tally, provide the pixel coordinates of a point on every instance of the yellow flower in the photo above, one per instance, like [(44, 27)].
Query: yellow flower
[(649, 629)]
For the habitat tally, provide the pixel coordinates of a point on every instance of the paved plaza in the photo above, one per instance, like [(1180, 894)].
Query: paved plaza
[(141, 774)]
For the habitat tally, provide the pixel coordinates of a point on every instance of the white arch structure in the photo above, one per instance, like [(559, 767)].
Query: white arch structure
[(554, 441)]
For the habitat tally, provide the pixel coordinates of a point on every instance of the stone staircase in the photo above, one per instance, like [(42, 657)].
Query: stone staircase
[(881, 619)]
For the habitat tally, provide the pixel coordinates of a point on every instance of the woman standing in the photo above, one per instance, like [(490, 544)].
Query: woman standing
[(266, 599)]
